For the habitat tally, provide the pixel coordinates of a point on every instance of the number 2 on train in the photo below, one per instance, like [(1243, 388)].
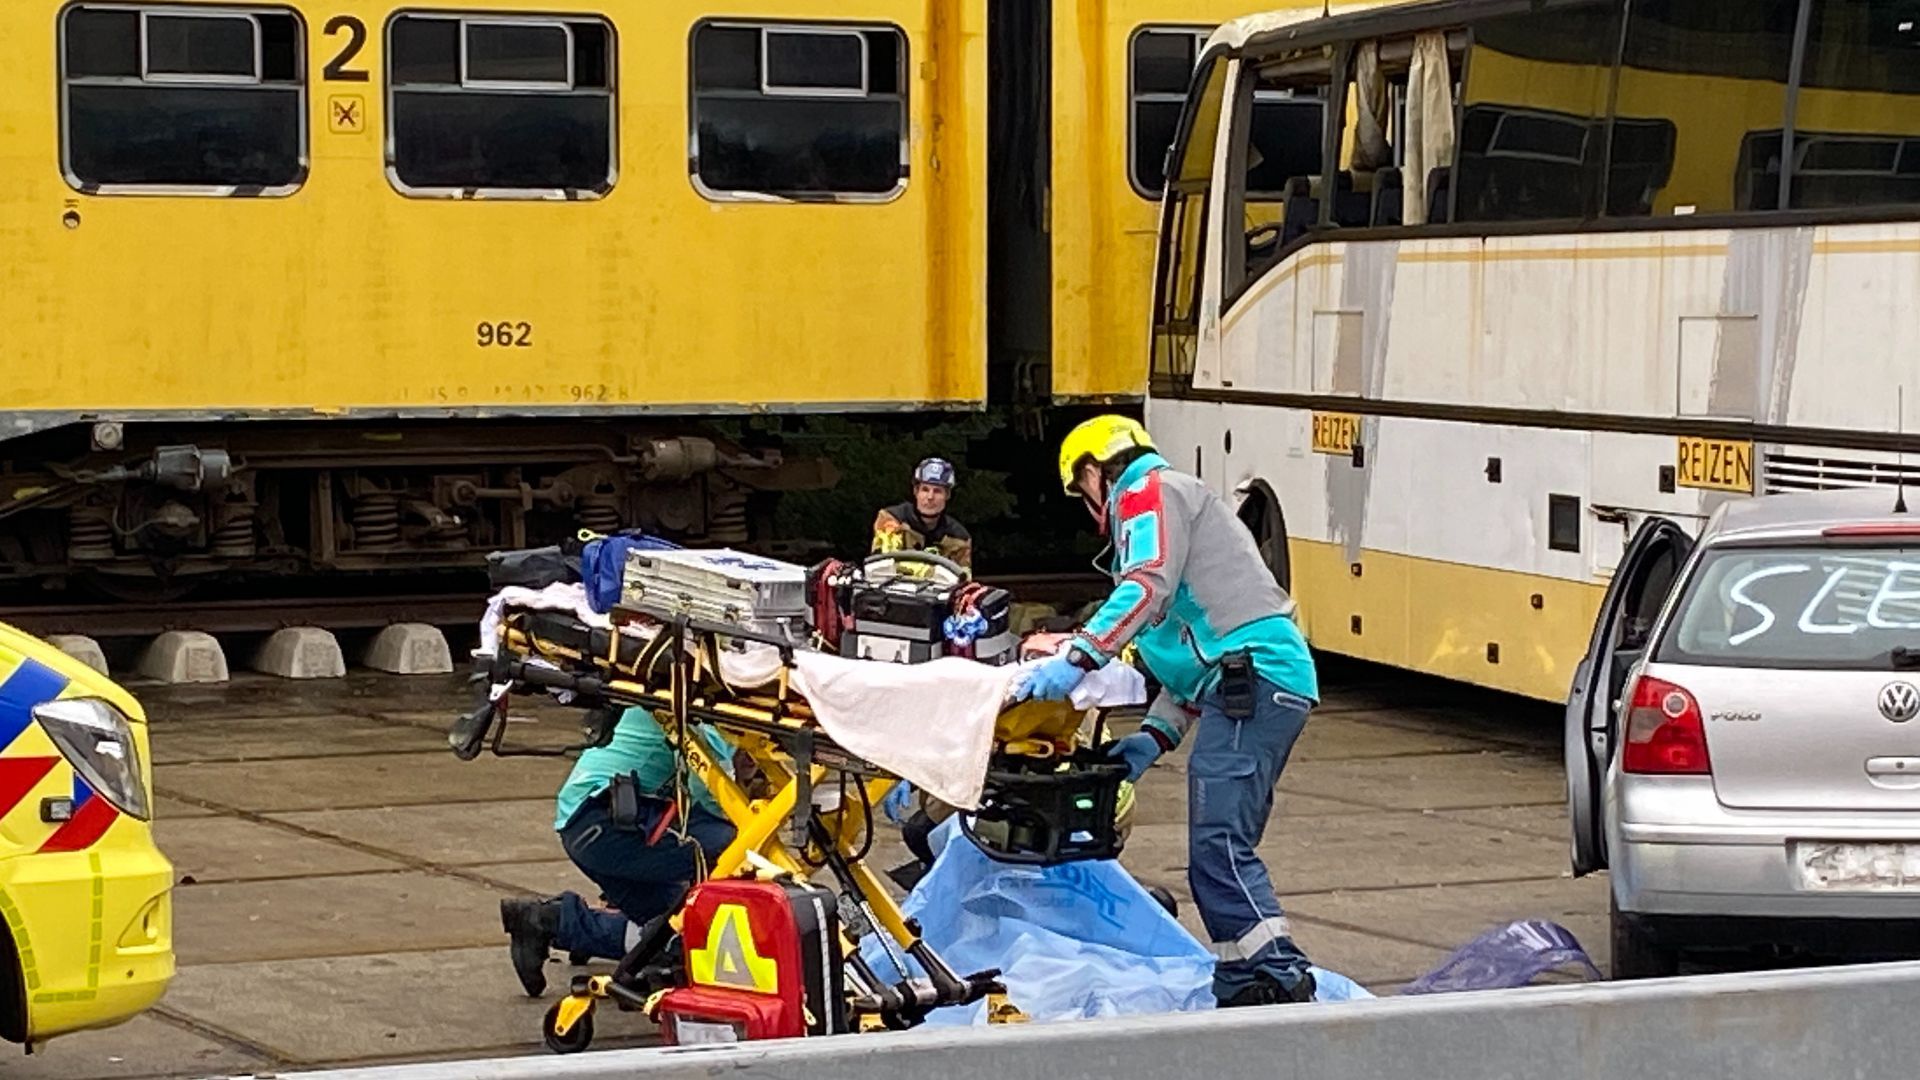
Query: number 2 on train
[(505, 335), (356, 31)]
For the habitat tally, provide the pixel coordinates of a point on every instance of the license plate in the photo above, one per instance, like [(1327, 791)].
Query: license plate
[(1830, 867), (1713, 464)]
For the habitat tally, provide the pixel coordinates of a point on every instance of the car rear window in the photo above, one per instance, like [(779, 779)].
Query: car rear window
[(1814, 606)]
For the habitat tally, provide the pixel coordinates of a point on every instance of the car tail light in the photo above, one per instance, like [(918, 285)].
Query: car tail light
[(1665, 732)]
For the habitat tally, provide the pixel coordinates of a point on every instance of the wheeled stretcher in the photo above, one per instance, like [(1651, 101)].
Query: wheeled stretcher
[(1048, 798)]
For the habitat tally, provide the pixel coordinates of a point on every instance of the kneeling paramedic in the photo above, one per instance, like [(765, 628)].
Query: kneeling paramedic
[(1213, 627), (620, 824)]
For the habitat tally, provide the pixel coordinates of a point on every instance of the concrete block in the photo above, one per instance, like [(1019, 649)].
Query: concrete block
[(81, 648), (184, 656), (301, 652), (409, 649)]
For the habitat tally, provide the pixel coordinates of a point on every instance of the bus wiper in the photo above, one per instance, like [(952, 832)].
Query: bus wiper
[(1904, 658)]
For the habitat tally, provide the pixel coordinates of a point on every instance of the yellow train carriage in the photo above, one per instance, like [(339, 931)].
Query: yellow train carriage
[(467, 270), (368, 206), (478, 273), (85, 896)]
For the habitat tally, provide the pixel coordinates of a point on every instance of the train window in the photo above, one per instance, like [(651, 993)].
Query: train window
[(799, 111), (515, 54), (1859, 77), (1712, 71), (201, 46), (1160, 66), (502, 107), (174, 99), (1284, 127), (813, 61)]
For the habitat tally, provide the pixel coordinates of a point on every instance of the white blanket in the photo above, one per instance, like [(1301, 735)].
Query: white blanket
[(930, 724), (560, 596)]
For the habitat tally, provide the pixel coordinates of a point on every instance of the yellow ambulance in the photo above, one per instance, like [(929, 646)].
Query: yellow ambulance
[(86, 935)]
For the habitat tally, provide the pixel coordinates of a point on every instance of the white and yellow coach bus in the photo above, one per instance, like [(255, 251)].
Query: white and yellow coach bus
[(1552, 267)]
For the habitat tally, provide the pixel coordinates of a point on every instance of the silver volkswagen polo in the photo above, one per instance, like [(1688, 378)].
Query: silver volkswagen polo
[(1742, 743)]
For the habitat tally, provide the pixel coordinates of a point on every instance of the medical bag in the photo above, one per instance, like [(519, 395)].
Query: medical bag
[(718, 585), (910, 619), (898, 620), (763, 961)]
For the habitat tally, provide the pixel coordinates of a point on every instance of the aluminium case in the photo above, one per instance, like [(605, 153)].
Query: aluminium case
[(718, 585)]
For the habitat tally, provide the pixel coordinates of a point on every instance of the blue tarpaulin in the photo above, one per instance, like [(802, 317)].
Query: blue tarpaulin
[(1083, 939)]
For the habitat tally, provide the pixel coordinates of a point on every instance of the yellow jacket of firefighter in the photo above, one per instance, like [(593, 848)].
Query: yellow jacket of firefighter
[(898, 528)]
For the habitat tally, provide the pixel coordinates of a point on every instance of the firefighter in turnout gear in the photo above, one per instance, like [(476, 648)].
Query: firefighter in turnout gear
[(1215, 629), (922, 522)]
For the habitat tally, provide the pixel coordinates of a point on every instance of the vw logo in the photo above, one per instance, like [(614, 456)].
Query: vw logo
[(1899, 702)]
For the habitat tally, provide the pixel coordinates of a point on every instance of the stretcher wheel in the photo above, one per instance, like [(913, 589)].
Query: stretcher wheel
[(575, 1038)]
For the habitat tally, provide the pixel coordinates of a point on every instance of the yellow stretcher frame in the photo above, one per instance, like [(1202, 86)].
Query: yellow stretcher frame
[(678, 677)]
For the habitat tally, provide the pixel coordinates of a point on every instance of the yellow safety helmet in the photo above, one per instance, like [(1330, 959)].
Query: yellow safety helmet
[(1102, 438)]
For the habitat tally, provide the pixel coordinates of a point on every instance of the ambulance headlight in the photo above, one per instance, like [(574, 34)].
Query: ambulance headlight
[(97, 740)]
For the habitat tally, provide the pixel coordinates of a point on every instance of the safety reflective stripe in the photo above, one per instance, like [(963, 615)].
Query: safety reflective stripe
[(96, 944), (19, 776), (26, 686), (88, 824), (1255, 941)]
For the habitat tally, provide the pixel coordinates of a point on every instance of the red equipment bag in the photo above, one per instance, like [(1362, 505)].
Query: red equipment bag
[(762, 959), (698, 1015)]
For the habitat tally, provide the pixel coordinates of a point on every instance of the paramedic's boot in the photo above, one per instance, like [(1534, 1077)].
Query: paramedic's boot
[(531, 924), (1165, 899), (1267, 990)]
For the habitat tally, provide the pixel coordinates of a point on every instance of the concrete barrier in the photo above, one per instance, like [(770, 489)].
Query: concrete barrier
[(1854, 1022)]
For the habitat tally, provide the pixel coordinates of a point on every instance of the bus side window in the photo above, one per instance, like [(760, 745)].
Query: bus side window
[(1278, 133), (813, 111), (1712, 72), (1857, 140), (1534, 117), (498, 105), (167, 96)]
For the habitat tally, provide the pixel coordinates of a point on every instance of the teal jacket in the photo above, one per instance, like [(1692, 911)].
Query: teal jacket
[(641, 748), (1189, 587)]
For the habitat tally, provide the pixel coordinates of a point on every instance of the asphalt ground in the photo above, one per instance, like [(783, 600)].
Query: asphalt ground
[(339, 870)]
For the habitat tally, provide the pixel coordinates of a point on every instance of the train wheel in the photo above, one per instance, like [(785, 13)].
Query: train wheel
[(577, 1036)]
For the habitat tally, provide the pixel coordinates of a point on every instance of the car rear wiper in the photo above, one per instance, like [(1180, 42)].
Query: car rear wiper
[(1904, 658)]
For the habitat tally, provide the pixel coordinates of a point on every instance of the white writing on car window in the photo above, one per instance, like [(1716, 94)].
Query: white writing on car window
[(1886, 593)]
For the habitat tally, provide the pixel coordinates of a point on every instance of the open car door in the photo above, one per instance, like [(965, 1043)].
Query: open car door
[(1645, 575)]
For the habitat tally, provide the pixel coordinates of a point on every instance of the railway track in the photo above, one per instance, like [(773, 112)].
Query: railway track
[(266, 614)]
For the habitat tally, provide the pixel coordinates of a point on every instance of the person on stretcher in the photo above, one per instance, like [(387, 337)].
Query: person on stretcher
[(643, 866)]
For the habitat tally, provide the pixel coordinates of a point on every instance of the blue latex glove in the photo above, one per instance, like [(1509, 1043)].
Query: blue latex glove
[(1053, 680), (1139, 750), (898, 803)]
